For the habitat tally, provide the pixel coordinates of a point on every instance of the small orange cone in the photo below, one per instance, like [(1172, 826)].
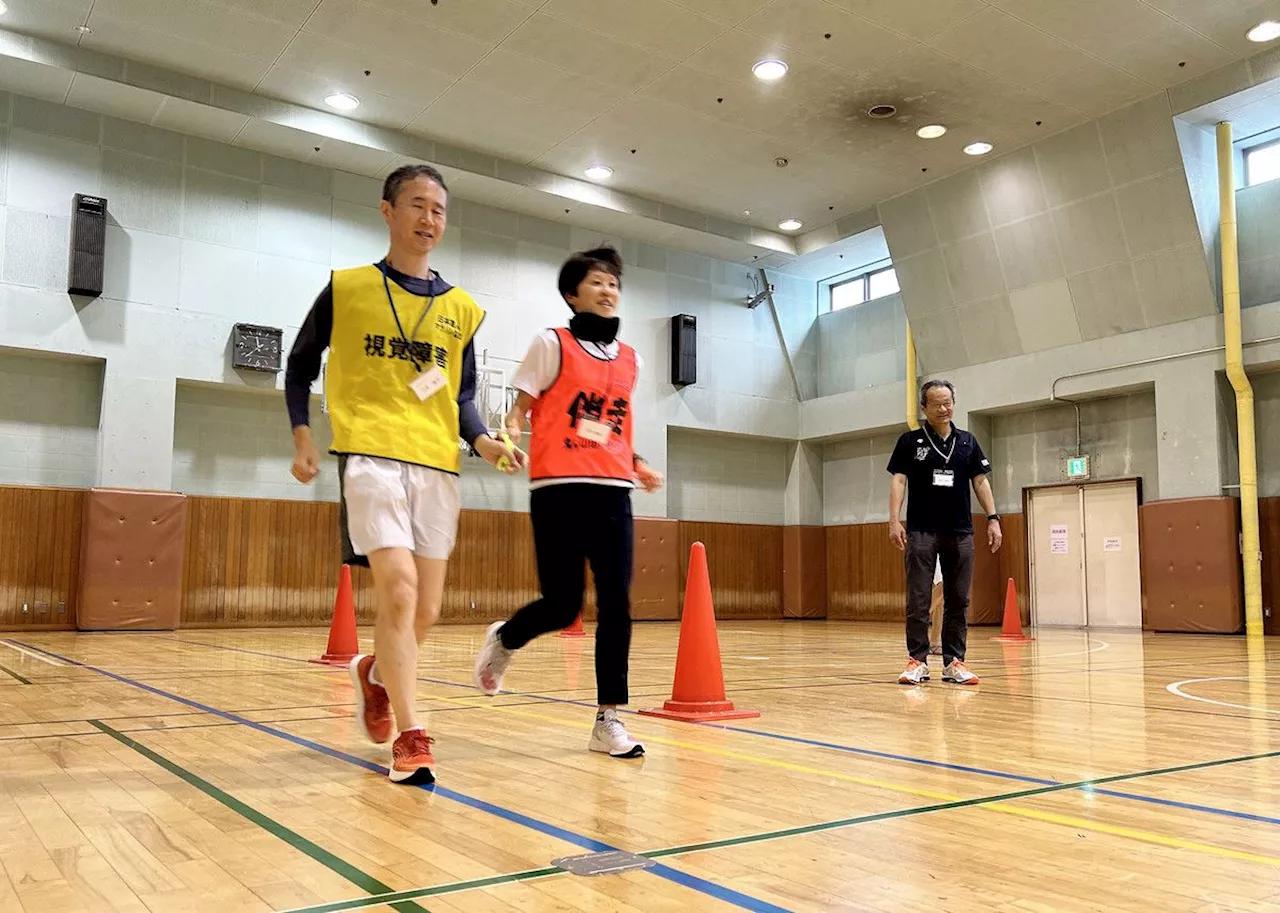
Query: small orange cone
[(343, 644), (698, 694), (1011, 631), (575, 629)]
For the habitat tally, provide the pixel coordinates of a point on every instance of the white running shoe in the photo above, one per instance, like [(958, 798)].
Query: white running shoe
[(916, 673), (959, 673), (491, 664), (609, 735)]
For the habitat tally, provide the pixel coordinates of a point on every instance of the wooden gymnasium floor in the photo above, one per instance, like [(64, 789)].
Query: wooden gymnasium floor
[(218, 770)]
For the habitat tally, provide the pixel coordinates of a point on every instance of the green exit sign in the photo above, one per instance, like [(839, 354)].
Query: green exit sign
[(1078, 468)]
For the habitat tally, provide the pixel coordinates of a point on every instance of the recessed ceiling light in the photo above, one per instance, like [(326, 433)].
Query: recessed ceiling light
[(978, 148), (1264, 31), (4, 8), (931, 131), (343, 101), (83, 30), (769, 70), (746, 212), (599, 172), (790, 224)]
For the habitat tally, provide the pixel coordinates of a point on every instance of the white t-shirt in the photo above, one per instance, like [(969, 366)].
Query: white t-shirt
[(539, 370), (937, 571)]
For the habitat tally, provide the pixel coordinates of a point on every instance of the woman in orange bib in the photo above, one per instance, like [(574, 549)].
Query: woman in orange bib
[(576, 385)]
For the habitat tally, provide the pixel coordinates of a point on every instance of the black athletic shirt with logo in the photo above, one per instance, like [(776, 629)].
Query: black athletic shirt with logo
[(929, 463)]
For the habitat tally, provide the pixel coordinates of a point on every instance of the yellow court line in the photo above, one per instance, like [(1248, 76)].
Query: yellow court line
[(1047, 817)]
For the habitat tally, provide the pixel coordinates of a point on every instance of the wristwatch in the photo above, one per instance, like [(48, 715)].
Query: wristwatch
[(991, 517)]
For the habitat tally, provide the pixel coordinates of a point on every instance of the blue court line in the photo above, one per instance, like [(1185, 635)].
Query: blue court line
[(848, 749), (710, 888)]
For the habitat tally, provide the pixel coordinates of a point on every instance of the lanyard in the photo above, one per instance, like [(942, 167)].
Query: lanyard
[(946, 457), (431, 300)]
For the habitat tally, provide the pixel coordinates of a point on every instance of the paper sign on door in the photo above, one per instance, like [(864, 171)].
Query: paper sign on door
[(1111, 544), (1058, 540)]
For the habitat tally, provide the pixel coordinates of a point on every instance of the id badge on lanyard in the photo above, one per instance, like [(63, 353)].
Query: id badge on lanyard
[(430, 380), (944, 478)]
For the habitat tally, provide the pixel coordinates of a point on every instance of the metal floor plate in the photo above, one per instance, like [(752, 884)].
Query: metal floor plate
[(602, 863)]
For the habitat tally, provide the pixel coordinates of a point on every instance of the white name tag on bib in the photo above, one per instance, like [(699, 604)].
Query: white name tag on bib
[(944, 478), (592, 430), (428, 383)]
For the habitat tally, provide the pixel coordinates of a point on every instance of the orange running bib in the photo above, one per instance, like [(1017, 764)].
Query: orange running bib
[(582, 423)]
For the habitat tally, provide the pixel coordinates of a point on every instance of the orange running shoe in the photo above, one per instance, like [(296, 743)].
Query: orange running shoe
[(373, 708), (411, 758)]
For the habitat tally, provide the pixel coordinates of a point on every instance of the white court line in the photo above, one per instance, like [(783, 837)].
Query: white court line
[(33, 655), (1176, 688), (1102, 645)]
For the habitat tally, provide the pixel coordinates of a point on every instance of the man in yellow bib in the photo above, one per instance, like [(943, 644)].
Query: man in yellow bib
[(400, 387)]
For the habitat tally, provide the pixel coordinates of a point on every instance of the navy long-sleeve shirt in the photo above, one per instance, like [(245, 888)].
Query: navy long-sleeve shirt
[(304, 358)]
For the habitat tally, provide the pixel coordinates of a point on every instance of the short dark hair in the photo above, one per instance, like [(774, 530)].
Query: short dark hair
[(406, 173), (933, 384), (575, 269)]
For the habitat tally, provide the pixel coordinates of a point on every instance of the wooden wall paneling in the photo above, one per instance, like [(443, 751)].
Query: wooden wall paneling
[(40, 531), (1269, 538), (1014, 563), (992, 572), (866, 578), (804, 572), (260, 563), (745, 564), (492, 572)]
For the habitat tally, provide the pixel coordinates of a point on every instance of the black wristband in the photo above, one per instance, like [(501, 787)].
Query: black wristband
[(993, 517)]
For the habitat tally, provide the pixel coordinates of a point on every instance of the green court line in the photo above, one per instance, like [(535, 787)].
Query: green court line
[(959, 803), (7, 670), (451, 888), (454, 887), (360, 879)]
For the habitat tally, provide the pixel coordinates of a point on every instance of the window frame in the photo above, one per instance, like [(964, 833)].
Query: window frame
[(862, 277), (1247, 152)]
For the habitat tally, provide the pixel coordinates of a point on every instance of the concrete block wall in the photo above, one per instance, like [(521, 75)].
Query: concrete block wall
[(862, 346), (855, 479), (1029, 448), (725, 479), (1002, 270), (1081, 236), (48, 420), (232, 443), (202, 235)]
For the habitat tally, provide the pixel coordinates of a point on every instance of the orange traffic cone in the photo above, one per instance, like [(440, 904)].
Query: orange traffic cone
[(343, 644), (575, 629), (698, 695), (1011, 631)]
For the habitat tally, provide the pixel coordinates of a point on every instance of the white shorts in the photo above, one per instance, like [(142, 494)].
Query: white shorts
[(400, 505)]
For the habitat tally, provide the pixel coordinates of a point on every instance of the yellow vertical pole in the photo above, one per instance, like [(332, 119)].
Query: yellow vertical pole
[(913, 409), (1252, 557)]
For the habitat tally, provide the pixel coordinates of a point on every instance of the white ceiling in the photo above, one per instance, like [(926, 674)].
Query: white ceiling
[(856, 252), (557, 84)]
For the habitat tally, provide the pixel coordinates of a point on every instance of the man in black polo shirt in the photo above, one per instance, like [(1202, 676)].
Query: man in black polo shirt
[(937, 464)]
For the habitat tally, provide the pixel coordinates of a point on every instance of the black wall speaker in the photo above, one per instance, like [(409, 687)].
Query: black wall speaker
[(88, 245), (684, 350)]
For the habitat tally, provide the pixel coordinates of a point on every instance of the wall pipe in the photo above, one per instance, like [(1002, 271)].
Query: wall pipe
[(913, 409), (782, 337), (1053, 387), (1245, 434)]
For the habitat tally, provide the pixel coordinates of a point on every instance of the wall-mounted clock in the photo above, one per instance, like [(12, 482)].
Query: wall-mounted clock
[(256, 347)]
